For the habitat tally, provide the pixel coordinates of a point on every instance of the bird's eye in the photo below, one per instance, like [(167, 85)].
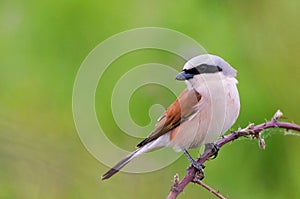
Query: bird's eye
[(202, 68)]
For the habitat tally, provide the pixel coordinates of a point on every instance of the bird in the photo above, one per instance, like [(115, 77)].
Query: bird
[(204, 111)]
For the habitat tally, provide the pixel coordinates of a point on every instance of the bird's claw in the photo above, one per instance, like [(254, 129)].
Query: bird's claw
[(215, 150), (198, 166), (211, 147), (193, 162)]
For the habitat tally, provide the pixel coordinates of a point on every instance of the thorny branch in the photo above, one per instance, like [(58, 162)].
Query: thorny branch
[(251, 131)]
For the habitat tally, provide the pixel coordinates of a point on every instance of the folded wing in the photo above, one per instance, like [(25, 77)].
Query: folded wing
[(181, 110)]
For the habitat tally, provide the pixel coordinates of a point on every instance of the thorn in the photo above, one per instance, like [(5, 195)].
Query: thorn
[(176, 179), (249, 128), (175, 183), (262, 143), (277, 115)]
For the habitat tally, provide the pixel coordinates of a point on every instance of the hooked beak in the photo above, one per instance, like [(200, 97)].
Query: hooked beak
[(184, 76)]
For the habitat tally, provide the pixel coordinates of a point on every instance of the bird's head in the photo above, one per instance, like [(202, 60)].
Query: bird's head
[(206, 65)]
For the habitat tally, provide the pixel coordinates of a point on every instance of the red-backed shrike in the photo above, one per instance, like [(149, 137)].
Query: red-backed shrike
[(205, 110)]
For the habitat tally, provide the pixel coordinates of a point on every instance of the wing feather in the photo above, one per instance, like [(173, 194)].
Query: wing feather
[(178, 112)]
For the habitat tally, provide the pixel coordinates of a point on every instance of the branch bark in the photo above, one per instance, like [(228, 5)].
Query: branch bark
[(210, 189), (251, 131)]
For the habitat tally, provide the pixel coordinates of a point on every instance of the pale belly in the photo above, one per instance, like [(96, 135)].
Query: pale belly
[(215, 116)]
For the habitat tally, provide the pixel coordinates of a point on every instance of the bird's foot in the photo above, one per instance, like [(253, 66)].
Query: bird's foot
[(212, 147), (198, 166), (198, 176), (194, 163)]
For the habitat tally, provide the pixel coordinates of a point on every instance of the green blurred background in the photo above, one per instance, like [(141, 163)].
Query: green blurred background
[(43, 43)]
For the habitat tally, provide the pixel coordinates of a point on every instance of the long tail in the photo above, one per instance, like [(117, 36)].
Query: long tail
[(162, 141), (121, 164)]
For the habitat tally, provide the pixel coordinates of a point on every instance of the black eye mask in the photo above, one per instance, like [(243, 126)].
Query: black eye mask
[(203, 68)]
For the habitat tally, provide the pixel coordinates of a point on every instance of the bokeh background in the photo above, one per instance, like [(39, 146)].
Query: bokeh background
[(43, 43)]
